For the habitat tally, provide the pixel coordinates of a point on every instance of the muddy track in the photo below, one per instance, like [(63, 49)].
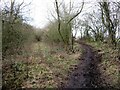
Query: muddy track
[(86, 74)]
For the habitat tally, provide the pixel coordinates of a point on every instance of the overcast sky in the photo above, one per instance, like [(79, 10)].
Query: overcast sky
[(39, 10)]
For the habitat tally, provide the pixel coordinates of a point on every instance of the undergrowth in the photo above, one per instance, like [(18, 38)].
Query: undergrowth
[(109, 65)]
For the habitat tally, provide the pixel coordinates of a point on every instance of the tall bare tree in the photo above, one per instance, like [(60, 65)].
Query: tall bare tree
[(68, 16), (107, 21), (59, 22)]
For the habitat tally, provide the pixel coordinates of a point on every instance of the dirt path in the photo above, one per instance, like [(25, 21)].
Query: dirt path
[(86, 74)]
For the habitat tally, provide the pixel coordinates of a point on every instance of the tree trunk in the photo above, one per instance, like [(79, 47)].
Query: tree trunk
[(108, 22), (59, 23)]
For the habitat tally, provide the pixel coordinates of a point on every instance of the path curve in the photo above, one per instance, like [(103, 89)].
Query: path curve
[(86, 74)]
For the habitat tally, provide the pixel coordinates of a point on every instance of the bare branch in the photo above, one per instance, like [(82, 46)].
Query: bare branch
[(76, 14)]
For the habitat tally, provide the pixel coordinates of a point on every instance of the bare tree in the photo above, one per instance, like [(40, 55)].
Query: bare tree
[(107, 21), (65, 15), (78, 12), (58, 16)]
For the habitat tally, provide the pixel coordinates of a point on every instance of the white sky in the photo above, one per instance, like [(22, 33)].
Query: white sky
[(39, 10)]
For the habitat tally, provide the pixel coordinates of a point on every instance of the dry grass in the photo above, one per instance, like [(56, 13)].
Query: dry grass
[(110, 65), (49, 66)]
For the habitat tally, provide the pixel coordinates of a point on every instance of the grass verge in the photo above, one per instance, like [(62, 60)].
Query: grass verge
[(110, 64), (50, 65)]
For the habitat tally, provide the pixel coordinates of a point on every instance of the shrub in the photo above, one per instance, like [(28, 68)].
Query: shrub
[(14, 37), (53, 36)]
